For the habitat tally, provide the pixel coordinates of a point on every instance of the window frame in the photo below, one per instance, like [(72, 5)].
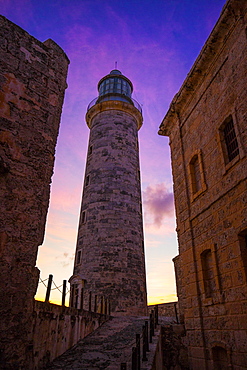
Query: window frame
[(191, 169), (226, 163), (224, 146)]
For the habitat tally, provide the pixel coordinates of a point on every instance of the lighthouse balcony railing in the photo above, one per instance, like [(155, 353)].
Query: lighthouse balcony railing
[(99, 99)]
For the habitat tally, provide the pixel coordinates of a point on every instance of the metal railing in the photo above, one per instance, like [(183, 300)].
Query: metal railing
[(109, 97)]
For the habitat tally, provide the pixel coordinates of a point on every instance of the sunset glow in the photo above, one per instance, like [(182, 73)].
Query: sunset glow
[(155, 44)]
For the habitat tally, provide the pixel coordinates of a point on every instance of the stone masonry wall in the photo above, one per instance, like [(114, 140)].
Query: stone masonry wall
[(213, 294), (110, 235), (57, 328), (32, 84), (168, 309)]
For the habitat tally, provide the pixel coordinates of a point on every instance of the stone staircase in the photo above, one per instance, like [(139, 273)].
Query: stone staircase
[(107, 347)]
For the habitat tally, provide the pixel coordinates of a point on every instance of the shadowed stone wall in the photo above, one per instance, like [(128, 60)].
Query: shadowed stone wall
[(58, 328), (206, 124), (168, 309), (32, 84)]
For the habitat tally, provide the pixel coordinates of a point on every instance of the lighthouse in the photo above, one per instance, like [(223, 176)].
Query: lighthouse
[(109, 262)]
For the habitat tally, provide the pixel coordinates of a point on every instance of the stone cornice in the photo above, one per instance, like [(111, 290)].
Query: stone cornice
[(232, 12), (114, 105)]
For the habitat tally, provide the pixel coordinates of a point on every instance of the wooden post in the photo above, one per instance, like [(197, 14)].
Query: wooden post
[(90, 301), (153, 322), (146, 328), (176, 312), (133, 367), (48, 291), (101, 305), (95, 303), (156, 315), (138, 352), (64, 292), (144, 345), (150, 327)]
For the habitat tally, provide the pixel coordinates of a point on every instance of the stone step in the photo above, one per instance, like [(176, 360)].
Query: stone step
[(107, 347)]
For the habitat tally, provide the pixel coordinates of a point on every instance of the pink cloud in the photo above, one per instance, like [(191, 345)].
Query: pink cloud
[(158, 203)]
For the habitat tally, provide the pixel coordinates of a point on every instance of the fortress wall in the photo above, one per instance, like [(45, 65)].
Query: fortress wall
[(32, 84)]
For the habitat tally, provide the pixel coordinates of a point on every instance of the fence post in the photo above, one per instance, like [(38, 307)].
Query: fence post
[(138, 352), (146, 329), (153, 320), (144, 345), (48, 291), (101, 305), (176, 312), (64, 292), (156, 315), (150, 327), (134, 367), (90, 302)]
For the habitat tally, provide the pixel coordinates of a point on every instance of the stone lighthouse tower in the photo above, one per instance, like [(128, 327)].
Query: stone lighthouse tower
[(109, 261)]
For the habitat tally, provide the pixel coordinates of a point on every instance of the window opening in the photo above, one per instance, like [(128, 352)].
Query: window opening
[(195, 174), (220, 358), (230, 139), (78, 259), (87, 180), (83, 217)]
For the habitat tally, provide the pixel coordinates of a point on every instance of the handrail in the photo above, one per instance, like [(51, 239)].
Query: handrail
[(110, 97)]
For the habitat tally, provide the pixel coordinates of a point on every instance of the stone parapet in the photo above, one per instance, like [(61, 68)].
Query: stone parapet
[(58, 328)]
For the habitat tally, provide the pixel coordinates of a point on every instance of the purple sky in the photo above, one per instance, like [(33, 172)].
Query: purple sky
[(155, 43)]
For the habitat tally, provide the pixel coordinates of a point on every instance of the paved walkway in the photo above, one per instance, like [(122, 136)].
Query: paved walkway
[(107, 347)]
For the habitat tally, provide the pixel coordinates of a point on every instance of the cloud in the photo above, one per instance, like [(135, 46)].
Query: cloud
[(158, 203)]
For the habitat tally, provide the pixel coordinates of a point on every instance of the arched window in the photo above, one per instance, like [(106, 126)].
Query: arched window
[(220, 359)]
